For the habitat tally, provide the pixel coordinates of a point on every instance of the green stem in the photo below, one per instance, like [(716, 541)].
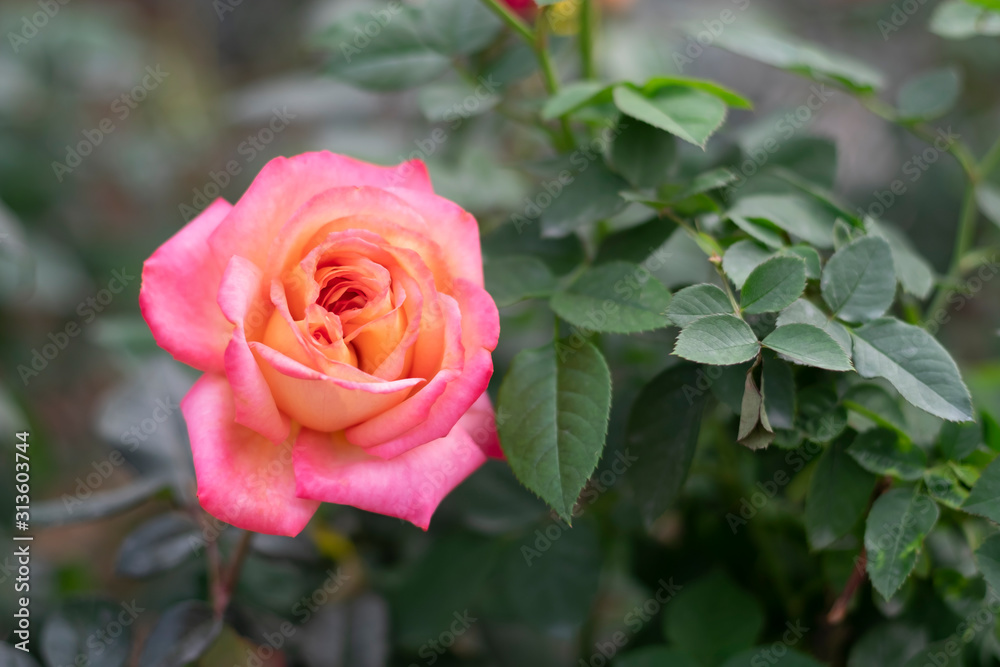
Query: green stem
[(541, 46), (515, 22), (966, 233), (232, 576), (588, 23)]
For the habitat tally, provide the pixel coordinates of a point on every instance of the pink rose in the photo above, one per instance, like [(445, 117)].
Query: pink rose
[(338, 313)]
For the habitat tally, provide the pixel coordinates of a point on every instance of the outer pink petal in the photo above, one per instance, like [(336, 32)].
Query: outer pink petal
[(241, 299), (480, 422), (285, 184), (453, 229), (414, 422), (243, 479), (410, 486), (177, 298)]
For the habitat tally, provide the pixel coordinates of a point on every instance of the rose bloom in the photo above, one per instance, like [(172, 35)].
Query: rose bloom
[(338, 313)]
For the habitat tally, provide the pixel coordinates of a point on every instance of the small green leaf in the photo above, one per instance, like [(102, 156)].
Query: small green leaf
[(929, 95), (513, 279), (590, 196), (810, 256), (988, 560), (803, 217), (808, 345), (880, 451), (944, 486), (727, 95), (773, 285), (457, 27), (69, 635), (957, 441), (914, 273), (859, 281), (804, 311), (915, 364), (572, 97), (635, 244), (958, 19), (690, 114), (707, 181), (183, 634), (663, 433), (755, 430), (558, 398), (894, 535), (838, 496), (693, 619), (616, 297), (721, 340), (643, 154), (697, 301), (984, 499), (742, 258), (777, 383), (821, 417)]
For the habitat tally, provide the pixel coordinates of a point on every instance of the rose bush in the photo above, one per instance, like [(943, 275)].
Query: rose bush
[(338, 313)]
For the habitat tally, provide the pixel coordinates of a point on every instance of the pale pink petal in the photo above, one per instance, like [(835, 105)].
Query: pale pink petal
[(178, 294), (480, 422), (285, 184), (241, 298), (410, 486), (418, 420), (243, 479)]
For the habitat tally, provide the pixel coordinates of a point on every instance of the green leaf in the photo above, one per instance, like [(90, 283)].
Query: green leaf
[(803, 217), (513, 279), (694, 618), (742, 258), (940, 654), (804, 311), (808, 345), (944, 486), (712, 179), (984, 499), (69, 633), (690, 114), (635, 244), (755, 431), (929, 95), (897, 525), (159, 544), (655, 656), (440, 101), (838, 496), (663, 433), (643, 154), (813, 265), (988, 198), (958, 19), (957, 441), (914, 273), (859, 281), (458, 27), (988, 560), (572, 97), (880, 451), (558, 398), (721, 340), (183, 634), (697, 301), (877, 404), (915, 364), (727, 95), (787, 53), (99, 505), (777, 383), (616, 297), (396, 58), (591, 196), (773, 285), (821, 417), (888, 645)]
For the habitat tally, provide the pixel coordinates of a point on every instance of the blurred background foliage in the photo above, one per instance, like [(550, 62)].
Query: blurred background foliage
[(360, 589)]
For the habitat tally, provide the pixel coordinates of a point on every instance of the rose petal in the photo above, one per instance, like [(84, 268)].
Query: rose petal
[(285, 184), (480, 422), (418, 420), (241, 298), (243, 479), (178, 294), (410, 486)]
